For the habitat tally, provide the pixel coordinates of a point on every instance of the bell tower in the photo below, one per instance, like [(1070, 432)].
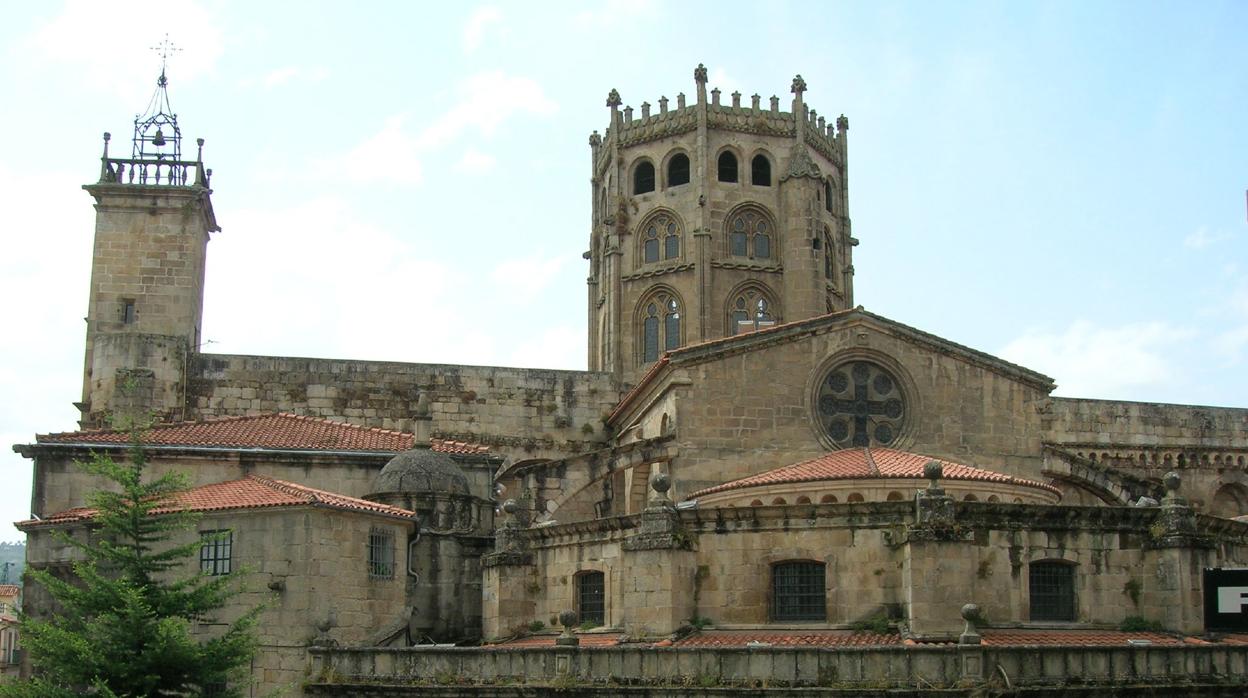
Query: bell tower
[(713, 219), (153, 220)]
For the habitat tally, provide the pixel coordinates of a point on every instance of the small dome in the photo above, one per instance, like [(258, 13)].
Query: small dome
[(421, 470)]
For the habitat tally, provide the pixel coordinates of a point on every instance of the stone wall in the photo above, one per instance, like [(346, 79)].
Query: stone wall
[(1216, 670), (1143, 424), (523, 413)]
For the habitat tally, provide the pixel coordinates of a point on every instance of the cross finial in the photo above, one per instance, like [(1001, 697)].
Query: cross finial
[(165, 47), (799, 86)]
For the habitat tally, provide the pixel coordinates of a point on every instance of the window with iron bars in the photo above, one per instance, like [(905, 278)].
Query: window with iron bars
[(798, 591), (590, 596), (1052, 593), (380, 554), (215, 551)]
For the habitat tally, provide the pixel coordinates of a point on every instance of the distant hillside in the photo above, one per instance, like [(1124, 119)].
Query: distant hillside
[(12, 562)]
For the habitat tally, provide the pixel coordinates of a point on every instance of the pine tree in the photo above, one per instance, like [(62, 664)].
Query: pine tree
[(124, 622)]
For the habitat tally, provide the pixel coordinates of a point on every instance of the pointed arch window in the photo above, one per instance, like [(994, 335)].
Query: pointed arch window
[(643, 178), (660, 326), (751, 310), (660, 238), (727, 167), (678, 170), (827, 195), (749, 234), (760, 171)]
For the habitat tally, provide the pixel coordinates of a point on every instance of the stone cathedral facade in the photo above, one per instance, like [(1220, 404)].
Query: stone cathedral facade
[(750, 452)]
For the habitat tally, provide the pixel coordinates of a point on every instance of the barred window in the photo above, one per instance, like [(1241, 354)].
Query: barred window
[(590, 597), (1052, 590), (760, 171), (798, 591), (678, 170), (380, 554), (643, 178), (215, 550), (727, 167)]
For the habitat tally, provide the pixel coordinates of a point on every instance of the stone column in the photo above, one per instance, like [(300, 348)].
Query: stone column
[(658, 597), (938, 564), (1181, 556), (506, 600)]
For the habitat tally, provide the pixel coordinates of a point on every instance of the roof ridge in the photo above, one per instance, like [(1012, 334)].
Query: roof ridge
[(284, 486), (872, 468), (331, 422)]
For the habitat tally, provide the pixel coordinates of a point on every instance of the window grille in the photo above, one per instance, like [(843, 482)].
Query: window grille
[(798, 591), (727, 167), (678, 170), (643, 178), (590, 597), (1052, 591), (215, 551), (380, 554)]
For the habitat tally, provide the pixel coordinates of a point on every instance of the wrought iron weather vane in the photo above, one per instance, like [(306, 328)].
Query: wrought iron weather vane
[(156, 132)]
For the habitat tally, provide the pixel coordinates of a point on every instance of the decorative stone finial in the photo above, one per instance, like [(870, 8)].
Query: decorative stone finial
[(511, 507), (699, 74), (799, 85), (595, 140), (661, 483), (628, 114), (613, 99), (645, 110), (933, 470), (754, 99), (199, 157), (1172, 481), (715, 96), (970, 634), (663, 104), (736, 99), (680, 100), (775, 104), (822, 124), (842, 124), (567, 618)]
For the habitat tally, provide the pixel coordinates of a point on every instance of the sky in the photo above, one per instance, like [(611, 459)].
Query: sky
[(1061, 184)]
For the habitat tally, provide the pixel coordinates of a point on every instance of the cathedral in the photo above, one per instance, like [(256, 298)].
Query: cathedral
[(753, 460)]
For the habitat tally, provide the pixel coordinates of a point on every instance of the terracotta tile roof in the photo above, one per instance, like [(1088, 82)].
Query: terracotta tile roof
[(787, 638), (10, 590), (587, 640), (859, 463), (1097, 638), (251, 492), (277, 431)]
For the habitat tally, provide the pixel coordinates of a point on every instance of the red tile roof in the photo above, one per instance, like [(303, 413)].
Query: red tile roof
[(10, 590), (251, 492), (1097, 638), (787, 638), (277, 431), (859, 463)]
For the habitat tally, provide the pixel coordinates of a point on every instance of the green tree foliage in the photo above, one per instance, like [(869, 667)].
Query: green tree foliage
[(124, 622)]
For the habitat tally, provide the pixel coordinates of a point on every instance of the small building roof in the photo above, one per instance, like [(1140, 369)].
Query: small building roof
[(251, 492), (279, 431), (868, 463)]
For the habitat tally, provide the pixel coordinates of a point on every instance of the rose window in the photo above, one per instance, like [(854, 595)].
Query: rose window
[(860, 404)]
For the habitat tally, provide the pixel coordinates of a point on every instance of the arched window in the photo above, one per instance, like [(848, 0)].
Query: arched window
[(643, 178), (798, 591), (749, 234), (760, 171), (1052, 590), (678, 170), (660, 326), (591, 604), (829, 255), (727, 167), (750, 310), (827, 195), (660, 238)]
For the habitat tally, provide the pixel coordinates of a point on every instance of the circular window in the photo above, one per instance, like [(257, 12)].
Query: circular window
[(859, 403)]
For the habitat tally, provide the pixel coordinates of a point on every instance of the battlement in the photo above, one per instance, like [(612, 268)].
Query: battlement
[(628, 130)]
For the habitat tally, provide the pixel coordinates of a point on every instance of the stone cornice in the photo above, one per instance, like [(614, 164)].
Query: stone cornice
[(657, 271), (748, 266)]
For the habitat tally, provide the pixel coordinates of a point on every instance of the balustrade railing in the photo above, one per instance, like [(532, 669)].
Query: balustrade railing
[(169, 173)]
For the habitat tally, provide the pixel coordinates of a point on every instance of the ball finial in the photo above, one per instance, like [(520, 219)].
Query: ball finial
[(660, 483), (567, 618), (970, 612), (933, 470), (1172, 481), (510, 506)]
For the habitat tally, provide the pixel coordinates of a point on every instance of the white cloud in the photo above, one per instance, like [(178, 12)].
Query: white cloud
[(475, 162), (617, 12), (485, 102), (478, 24), (284, 75), (1201, 238), (85, 31), (521, 280), (1124, 362)]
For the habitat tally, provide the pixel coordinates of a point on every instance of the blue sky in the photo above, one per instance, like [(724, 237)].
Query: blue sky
[(1060, 184)]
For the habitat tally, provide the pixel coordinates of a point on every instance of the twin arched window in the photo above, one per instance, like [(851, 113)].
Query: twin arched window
[(760, 169), (750, 234), (750, 310), (660, 238), (660, 326)]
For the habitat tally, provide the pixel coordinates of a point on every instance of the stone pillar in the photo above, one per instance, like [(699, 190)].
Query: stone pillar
[(938, 563), (505, 597), (658, 597), (1181, 556)]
